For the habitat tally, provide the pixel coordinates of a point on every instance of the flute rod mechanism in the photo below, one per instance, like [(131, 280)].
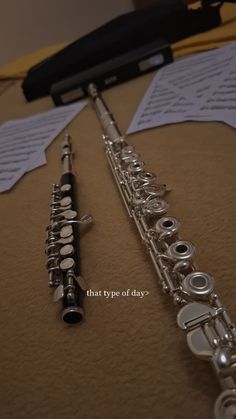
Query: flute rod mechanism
[(211, 335), (63, 244)]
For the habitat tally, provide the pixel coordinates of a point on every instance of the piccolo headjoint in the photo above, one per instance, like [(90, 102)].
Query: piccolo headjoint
[(62, 244)]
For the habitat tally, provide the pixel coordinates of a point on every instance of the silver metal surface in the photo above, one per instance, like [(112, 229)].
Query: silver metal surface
[(194, 314), (211, 335), (66, 201), (69, 214), (65, 188), (66, 240), (166, 228), (225, 406), (81, 282), (67, 264), (67, 250), (66, 231), (58, 293), (198, 285), (181, 250), (155, 207), (223, 357)]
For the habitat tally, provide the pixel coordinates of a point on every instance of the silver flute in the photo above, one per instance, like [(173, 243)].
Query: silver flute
[(62, 244), (211, 335)]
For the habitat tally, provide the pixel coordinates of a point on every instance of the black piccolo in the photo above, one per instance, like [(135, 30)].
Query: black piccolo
[(62, 244)]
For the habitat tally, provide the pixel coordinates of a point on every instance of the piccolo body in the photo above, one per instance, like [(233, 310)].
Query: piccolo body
[(211, 335), (62, 249)]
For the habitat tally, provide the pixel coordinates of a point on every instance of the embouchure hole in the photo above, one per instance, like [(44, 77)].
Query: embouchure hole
[(167, 223), (181, 248)]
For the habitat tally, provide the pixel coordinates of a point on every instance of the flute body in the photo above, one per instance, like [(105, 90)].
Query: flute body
[(62, 248), (211, 335)]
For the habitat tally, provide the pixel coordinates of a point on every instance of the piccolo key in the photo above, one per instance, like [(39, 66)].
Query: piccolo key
[(62, 245), (211, 335)]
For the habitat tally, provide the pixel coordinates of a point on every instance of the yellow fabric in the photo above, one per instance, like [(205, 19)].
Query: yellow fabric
[(19, 68), (216, 37)]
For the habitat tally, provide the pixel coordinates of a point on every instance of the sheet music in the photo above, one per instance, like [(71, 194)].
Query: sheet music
[(40, 161), (23, 141), (202, 87)]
